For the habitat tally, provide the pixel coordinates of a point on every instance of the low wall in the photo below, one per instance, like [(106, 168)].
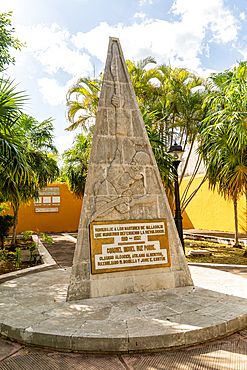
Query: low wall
[(61, 214)]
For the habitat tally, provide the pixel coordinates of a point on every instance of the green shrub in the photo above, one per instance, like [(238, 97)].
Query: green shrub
[(3, 255), (17, 257), (6, 222)]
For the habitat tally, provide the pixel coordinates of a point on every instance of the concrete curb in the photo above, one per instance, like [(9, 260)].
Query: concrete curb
[(211, 238), (46, 257), (214, 264), (70, 237)]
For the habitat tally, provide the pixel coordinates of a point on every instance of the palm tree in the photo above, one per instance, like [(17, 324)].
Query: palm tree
[(224, 135), (143, 80), (82, 102), (179, 114), (170, 100), (37, 143), (14, 167), (226, 165), (76, 162)]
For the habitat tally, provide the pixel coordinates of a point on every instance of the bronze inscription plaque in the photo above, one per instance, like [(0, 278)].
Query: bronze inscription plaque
[(128, 245)]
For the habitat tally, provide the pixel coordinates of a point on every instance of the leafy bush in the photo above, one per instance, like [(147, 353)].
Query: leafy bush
[(17, 257), (6, 222)]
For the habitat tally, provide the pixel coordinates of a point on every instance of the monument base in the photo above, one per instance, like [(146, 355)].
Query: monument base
[(127, 282)]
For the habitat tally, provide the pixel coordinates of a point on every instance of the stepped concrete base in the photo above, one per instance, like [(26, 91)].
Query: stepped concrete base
[(33, 310)]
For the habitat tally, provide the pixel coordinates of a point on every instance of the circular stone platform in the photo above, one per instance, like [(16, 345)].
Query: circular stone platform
[(33, 310)]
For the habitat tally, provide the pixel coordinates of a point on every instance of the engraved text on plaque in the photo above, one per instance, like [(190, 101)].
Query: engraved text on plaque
[(126, 245)]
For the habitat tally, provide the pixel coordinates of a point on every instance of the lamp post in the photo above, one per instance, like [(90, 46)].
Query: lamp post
[(177, 153)]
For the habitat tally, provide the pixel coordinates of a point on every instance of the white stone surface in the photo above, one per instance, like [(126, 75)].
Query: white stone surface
[(33, 310)]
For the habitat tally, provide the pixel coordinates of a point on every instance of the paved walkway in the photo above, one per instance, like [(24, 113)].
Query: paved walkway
[(228, 353), (62, 249)]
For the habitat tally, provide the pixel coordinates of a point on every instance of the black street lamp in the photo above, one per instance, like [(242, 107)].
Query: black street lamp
[(177, 153)]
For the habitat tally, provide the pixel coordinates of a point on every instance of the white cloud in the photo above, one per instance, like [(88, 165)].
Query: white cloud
[(242, 16), (64, 142), (244, 53), (138, 41), (51, 91), (180, 42), (41, 37), (60, 56), (140, 15), (96, 40), (50, 47), (198, 16), (142, 2)]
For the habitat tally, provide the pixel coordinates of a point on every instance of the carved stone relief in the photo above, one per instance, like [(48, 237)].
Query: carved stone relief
[(126, 184)]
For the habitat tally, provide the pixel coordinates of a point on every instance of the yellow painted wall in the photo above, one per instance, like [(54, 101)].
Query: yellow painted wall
[(66, 219), (209, 211)]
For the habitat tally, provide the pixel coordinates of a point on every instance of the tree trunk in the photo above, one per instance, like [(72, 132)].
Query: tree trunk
[(186, 162), (235, 206), (16, 211), (245, 252), (245, 210)]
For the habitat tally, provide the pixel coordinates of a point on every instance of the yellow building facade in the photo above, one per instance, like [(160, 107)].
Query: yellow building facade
[(210, 211), (58, 210)]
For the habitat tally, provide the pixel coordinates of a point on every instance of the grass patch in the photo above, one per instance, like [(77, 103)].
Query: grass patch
[(221, 253)]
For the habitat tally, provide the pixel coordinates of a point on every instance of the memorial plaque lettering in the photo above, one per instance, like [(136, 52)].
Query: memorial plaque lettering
[(127, 245), (45, 210), (51, 190)]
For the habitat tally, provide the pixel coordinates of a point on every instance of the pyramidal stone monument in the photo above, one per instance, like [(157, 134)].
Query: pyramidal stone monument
[(127, 239)]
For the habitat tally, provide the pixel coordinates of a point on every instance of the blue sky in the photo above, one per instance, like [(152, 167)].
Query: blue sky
[(66, 40)]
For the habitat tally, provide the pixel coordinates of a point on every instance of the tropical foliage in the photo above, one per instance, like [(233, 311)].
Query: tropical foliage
[(37, 141), (82, 102), (25, 147), (7, 41), (224, 135), (170, 101), (74, 170)]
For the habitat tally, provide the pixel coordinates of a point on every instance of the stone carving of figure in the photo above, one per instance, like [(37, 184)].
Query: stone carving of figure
[(124, 186)]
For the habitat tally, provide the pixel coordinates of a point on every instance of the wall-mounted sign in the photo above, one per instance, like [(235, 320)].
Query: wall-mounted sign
[(51, 190), (56, 201), (126, 245), (38, 201), (45, 210), (47, 201), (48, 197)]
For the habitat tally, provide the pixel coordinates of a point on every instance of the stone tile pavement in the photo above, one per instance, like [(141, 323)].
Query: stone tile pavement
[(227, 353)]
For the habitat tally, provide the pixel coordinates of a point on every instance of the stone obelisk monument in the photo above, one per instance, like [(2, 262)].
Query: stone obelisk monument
[(127, 239)]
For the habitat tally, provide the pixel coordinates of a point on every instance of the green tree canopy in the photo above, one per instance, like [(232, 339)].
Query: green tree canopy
[(76, 160), (7, 41), (224, 135), (170, 101)]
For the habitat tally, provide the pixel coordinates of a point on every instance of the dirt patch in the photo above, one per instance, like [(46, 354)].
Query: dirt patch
[(24, 255)]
